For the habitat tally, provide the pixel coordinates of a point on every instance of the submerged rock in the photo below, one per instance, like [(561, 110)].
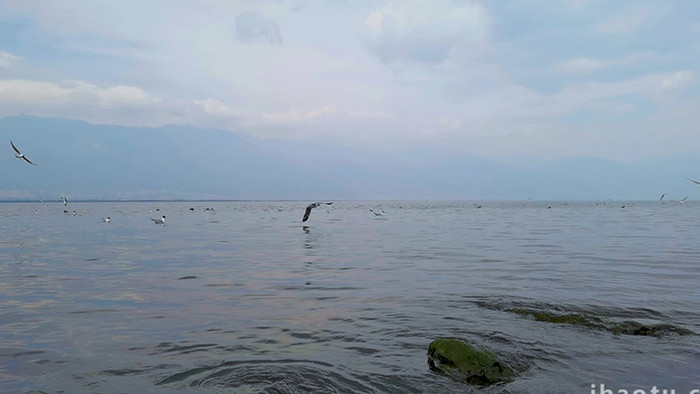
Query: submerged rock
[(653, 330), (463, 362), (625, 327), (566, 318)]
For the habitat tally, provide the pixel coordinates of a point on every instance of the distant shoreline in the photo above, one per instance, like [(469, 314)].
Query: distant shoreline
[(339, 200), (148, 200)]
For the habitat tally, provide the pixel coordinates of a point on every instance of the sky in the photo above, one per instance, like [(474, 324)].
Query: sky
[(617, 80)]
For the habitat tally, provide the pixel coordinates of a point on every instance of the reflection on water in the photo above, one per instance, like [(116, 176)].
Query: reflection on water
[(236, 297)]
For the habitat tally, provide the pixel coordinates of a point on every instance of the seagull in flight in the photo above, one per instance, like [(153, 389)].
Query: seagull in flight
[(696, 182), (21, 155), (65, 200), (312, 206), (662, 196), (683, 199), (159, 221)]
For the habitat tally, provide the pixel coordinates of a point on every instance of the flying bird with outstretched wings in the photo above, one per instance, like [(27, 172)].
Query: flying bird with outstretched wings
[(21, 155), (312, 206)]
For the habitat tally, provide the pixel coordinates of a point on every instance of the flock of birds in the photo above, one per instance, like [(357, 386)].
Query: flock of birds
[(21, 156)]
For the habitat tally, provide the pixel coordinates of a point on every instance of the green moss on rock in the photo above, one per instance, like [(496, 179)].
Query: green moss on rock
[(566, 318), (625, 327), (461, 361), (654, 330)]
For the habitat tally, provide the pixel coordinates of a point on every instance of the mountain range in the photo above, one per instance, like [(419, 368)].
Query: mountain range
[(105, 162)]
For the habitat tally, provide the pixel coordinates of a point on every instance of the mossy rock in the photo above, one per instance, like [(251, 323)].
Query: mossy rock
[(653, 330), (461, 361), (566, 318), (625, 327)]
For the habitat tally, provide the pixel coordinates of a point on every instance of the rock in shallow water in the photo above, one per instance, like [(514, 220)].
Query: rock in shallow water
[(653, 330), (625, 327), (576, 319), (463, 362)]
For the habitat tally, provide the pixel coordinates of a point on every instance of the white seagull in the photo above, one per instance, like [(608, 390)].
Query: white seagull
[(106, 219), (21, 155), (65, 200), (683, 199), (159, 221), (312, 206), (377, 213)]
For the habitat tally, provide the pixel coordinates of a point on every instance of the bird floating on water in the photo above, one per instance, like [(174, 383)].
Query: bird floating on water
[(106, 219), (159, 221), (21, 155), (377, 213), (312, 206)]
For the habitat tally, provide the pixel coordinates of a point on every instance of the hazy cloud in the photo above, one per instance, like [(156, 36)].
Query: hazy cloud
[(426, 32), (585, 65), (72, 92), (215, 107), (623, 23), (295, 115), (125, 105), (581, 65), (253, 27), (7, 60)]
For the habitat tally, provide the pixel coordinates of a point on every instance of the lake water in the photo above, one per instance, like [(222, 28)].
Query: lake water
[(244, 299)]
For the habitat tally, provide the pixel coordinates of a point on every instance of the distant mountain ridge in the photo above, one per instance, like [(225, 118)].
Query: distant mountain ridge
[(87, 161)]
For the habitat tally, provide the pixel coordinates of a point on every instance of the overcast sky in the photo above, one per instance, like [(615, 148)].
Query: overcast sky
[(545, 79)]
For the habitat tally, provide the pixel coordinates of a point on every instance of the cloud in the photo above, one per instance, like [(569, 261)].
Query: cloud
[(330, 112), (516, 102), (30, 92), (650, 86), (215, 107), (253, 27), (327, 123), (120, 104), (581, 65), (677, 80), (7, 60), (586, 65), (623, 23), (297, 115), (426, 32)]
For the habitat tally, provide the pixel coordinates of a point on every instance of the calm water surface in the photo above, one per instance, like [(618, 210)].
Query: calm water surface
[(244, 298)]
